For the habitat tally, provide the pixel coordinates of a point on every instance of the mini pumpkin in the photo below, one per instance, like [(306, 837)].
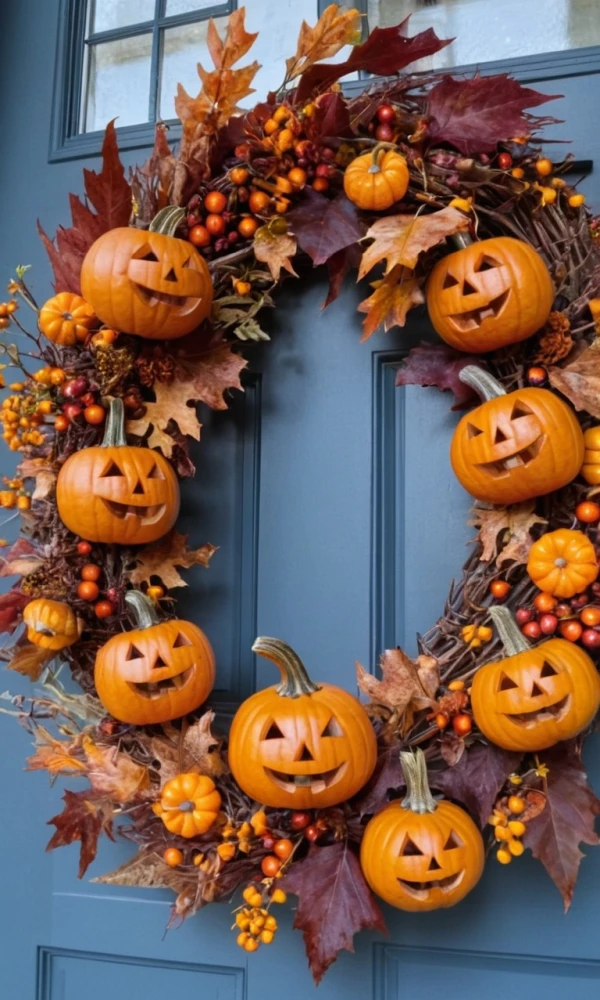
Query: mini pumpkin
[(50, 624), (516, 445), (300, 745), (590, 470), (146, 281), (157, 672), (537, 695), (490, 294), (421, 854), (562, 562), (374, 181), (66, 319), (116, 492), (189, 804)]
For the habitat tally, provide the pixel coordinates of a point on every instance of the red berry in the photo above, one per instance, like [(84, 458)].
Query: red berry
[(113, 595), (590, 637), (504, 161), (84, 548), (523, 615), (72, 411), (299, 820), (562, 610), (103, 609), (386, 113), (75, 387), (548, 624), (532, 630), (588, 512), (312, 833), (580, 601), (536, 375), (268, 842), (324, 170), (384, 133), (327, 153)]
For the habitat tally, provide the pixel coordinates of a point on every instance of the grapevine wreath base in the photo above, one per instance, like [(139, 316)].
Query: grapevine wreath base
[(160, 285)]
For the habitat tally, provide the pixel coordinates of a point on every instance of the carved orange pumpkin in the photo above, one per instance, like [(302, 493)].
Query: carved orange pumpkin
[(116, 492), (535, 696), (158, 672), (66, 319), (50, 624), (590, 469), (516, 445), (146, 281), (189, 804), (300, 745), (374, 181), (489, 294), (421, 854), (563, 562)]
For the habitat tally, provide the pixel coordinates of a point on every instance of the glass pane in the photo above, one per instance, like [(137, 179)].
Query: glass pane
[(118, 82), (108, 14), (185, 6), (183, 48), (278, 23), (486, 30)]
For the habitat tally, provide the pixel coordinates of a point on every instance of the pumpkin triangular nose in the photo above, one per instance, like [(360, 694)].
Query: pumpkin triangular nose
[(306, 754), (171, 276), (468, 288), (159, 662), (536, 690), (138, 488), (434, 866)]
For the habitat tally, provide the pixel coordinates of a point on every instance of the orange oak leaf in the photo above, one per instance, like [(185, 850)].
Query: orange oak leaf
[(56, 756), (505, 532), (333, 30), (161, 559), (580, 381), (113, 773), (275, 250), (389, 304), (401, 238)]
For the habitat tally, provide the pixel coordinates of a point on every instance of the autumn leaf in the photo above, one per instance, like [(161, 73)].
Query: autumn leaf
[(386, 778), (200, 748), (86, 815), (399, 239), (166, 753), (334, 29), (152, 182), (22, 558), (113, 773), (275, 250), (148, 871), (505, 532), (475, 114), (477, 779), (30, 660), (406, 686), (391, 301), (11, 605), (56, 756), (580, 380), (44, 474), (440, 366), (323, 226), (161, 558), (334, 903), (338, 266)]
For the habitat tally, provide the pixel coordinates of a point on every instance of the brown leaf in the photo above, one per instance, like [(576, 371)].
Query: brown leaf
[(275, 250), (440, 366), (161, 558), (151, 183), (332, 31), (401, 238), (113, 773), (86, 815), (389, 304), (580, 381), (30, 660), (334, 903), (567, 820), (22, 558), (200, 748), (401, 682), (504, 532), (323, 226), (42, 471), (477, 778), (148, 871)]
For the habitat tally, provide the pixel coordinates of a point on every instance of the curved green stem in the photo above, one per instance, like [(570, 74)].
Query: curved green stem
[(167, 220), (143, 608), (485, 385), (114, 432), (294, 679), (509, 632), (375, 168), (418, 796)]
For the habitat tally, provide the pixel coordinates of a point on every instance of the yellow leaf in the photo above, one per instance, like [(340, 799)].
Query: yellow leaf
[(401, 238), (161, 559), (332, 31), (390, 302), (275, 250)]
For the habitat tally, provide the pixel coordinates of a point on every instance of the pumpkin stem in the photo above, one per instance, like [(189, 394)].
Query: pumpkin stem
[(295, 681), (485, 385), (375, 168), (114, 432), (418, 796), (167, 220), (510, 634), (143, 608), (460, 241)]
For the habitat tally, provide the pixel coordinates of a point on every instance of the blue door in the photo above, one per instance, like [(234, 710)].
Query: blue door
[(321, 542)]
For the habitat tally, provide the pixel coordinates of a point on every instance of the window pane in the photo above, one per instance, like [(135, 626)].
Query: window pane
[(183, 47), (118, 82), (278, 23), (185, 6), (485, 30), (108, 14)]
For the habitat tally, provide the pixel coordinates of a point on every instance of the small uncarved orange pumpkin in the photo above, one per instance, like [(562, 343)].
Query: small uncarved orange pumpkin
[(300, 745), (66, 319), (189, 804), (590, 470), (535, 696), (489, 294), (374, 181), (116, 492), (146, 281), (516, 445), (421, 854), (50, 624), (563, 562), (157, 672)]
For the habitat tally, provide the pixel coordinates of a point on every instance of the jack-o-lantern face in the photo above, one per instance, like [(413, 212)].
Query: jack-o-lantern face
[(489, 294), (421, 855), (156, 673), (517, 445), (147, 283), (116, 492), (299, 745), (535, 697)]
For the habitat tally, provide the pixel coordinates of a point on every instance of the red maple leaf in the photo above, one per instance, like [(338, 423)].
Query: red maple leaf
[(323, 226)]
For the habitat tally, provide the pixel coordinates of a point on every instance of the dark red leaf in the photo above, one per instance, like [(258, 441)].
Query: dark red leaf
[(86, 815), (338, 266), (386, 777), (11, 605), (108, 191), (474, 115), (334, 903), (331, 118), (322, 227), (566, 821), (477, 778), (438, 365), (386, 51)]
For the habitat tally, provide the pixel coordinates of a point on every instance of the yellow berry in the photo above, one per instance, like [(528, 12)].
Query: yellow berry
[(270, 923), (309, 110), (155, 593), (17, 386), (15, 444), (516, 827), (475, 643), (516, 804), (242, 287), (7, 498), (226, 851), (267, 936), (577, 200), (56, 376), (544, 166), (281, 114), (242, 938), (502, 833), (256, 926), (248, 894), (557, 182), (549, 195), (244, 831), (516, 848), (251, 944), (456, 685), (278, 896), (485, 633), (23, 503), (198, 859), (467, 633), (244, 846), (518, 173), (242, 922), (515, 779), (259, 823), (45, 406), (270, 126), (504, 856)]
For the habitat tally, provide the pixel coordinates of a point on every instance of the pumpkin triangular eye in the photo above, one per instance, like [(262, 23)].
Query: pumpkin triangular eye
[(449, 280), (453, 842), (486, 263), (468, 288), (133, 653), (112, 469), (547, 670), (506, 683), (473, 431), (187, 262), (274, 732), (155, 473), (182, 640), (520, 410), (409, 847), (145, 252), (333, 728)]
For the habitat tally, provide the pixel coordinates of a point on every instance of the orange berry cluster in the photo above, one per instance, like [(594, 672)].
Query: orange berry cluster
[(451, 708), (88, 589), (14, 496), (509, 831), (550, 188), (6, 311), (21, 415), (255, 924), (475, 635)]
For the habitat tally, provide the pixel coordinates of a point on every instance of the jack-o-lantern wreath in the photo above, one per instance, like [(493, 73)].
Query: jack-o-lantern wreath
[(158, 286)]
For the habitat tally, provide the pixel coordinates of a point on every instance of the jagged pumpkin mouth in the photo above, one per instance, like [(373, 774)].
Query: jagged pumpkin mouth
[(473, 318), (157, 689), (420, 890), (504, 466), (314, 782), (547, 714), (149, 514), (151, 297)]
